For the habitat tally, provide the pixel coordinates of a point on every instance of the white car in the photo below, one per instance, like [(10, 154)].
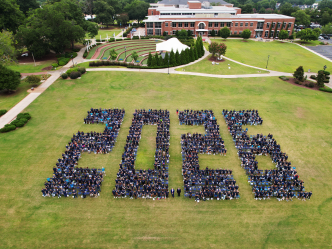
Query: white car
[(320, 37), (25, 54)]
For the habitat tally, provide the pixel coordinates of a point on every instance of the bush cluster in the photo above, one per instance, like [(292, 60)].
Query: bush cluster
[(3, 112), (64, 76), (54, 65), (76, 50), (32, 79), (75, 75), (329, 90), (284, 78), (20, 121), (63, 61), (98, 40), (81, 70)]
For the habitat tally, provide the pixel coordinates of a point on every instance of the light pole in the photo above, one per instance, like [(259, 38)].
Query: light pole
[(267, 60), (325, 67), (72, 60)]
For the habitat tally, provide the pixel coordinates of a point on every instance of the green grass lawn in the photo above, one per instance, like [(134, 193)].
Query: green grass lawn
[(31, 68), (9, 100), (104, 34), (299, 119), (205, 66), (284, 57)]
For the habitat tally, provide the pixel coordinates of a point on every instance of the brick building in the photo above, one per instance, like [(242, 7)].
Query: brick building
[(201, 18)]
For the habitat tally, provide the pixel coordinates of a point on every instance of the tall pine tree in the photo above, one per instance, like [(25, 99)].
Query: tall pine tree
[(172, 61), (156, 57), (166, 59), (177, 58), (149, 60), (192, 56), (195, 52)]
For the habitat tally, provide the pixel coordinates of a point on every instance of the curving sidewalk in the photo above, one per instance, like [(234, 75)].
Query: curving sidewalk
[(18, 108)]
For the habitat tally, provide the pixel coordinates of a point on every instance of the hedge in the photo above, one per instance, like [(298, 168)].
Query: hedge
[(3, 112), (329, 90), (20, 121)]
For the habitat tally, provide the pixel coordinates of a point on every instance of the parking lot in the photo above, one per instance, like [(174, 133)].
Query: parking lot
[(323, 50)]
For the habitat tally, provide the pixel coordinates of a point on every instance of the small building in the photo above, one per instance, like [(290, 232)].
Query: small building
[(201, 18)]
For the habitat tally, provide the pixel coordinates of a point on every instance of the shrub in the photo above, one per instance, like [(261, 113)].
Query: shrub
[(63, 61), (85, 54), (3, 112), (8, 127), (75, 75), (313, 77), (24, 115), (64, 76), (299, 73), (311, 84), (326, 81), (82, 70), (326, 72), (325, 89), (55, 64), (20, 124), (76, 50), (32, 79), (284, 78), (73, 69), (297, 82)]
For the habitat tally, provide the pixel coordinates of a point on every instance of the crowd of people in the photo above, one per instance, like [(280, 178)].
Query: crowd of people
[(70, 180), (152, 183), (205, 184), (282, 182)]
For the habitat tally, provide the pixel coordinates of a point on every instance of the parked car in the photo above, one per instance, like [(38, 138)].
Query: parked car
[(320, 37), (326, 37)]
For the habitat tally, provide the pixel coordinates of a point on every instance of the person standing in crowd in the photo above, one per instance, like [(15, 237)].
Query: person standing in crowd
[(172, 192), (178, 191)]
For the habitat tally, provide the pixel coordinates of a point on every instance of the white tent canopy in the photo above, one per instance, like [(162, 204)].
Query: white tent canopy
[(170, 44)]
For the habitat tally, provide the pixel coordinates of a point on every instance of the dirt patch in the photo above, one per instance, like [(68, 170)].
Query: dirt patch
[(215, 59), (299, 112), (292, 81), (47, 68)]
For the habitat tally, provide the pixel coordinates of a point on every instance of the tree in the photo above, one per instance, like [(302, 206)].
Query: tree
[(149, 59), (122, 18), (275, 30), (225, 32), (307, 35), (287, 9), (172, 61), (195, 52), (11, 17), (213, 47), (7, 51), (246, 34), (325, 4), (157, 61), (166, 59), (299, 74), (326, 18), (104, 12), (301, 18), (221, 49), (55, 26), (164, 33), (270, 30), (9, 79), (182, 34), (134, 55), (320, 78), (192, 54), (317, 31), (137, 10), (177, 57), (91, 29), (247, 9), (327, 29), (26, 5), (189, 33), (283, 34), (261, 10), (213, 33)]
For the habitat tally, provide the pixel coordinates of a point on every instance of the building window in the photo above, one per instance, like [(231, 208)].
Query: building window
[(149, 25), (272, 32), (166, 24), (273, 25), (277, 33), (166, 32), (241, 24), (173, 32), (209, 32), (236, 24), (180, 24), (157, 25), (284, 26), (174, 24), (216, 25), (246, 24), (152, 12), (289, 25), (266, 33), (192, 25), (222, 24), (235, 32), (267, 25), (201, 26), (279, 24), (186, 25), (251, 24), (240, 32), (157, 31), (149, 31), (210, 24), (229, 24)]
